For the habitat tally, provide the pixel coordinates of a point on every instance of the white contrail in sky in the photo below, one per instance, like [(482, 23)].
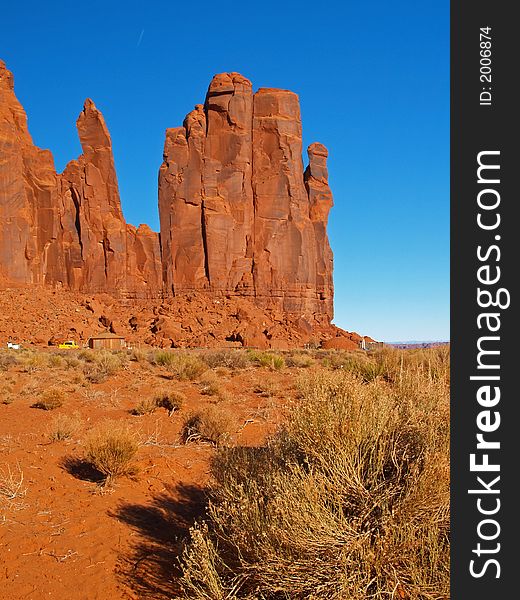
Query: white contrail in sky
[(140, 38)]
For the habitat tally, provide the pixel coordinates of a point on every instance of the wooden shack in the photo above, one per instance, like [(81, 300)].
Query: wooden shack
[(107, 341)]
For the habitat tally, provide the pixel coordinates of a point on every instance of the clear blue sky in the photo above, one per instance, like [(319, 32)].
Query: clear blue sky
[(373, 80)]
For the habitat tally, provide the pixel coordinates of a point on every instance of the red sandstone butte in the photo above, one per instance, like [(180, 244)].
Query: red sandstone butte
[(239, 214)]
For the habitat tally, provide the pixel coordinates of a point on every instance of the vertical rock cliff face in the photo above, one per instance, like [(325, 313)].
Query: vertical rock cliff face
[(239, 216), (29, 220), (68, 230), (90, 192)]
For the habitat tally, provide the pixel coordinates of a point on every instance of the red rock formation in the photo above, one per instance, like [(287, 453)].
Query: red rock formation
[(90, 192), (228, 210), (29, 220), (68, 230), (320, 198), (239, 215)]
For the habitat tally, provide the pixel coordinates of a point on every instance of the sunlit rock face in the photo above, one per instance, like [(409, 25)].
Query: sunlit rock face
[(239, 214)]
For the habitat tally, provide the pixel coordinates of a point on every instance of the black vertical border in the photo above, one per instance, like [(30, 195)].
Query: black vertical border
[(476, 128)]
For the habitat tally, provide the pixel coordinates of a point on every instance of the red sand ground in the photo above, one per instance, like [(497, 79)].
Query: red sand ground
[(64, 538)]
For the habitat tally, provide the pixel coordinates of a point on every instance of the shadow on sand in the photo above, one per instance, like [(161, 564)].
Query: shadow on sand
[(152, 566)]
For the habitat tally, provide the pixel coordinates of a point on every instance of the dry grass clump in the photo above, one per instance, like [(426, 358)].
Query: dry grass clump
[(34, 361), (138, 355), (266, 388), (210, 384), (11, 486), (101, 365), (185, 366), (349, 500), (8, 360), (56, 361), (209, 424), (275, 362), (171, 400), (162, 358), (300, 360), (231, 359), (144, 407), (181, 365), (111, 447), (6, 394), (50, 399), (64, 426)]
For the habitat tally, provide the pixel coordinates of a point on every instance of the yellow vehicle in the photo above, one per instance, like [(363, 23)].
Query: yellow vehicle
[(70, 344)]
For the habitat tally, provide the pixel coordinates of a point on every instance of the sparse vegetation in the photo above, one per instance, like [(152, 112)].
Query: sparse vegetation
[(111, 447), (209, 424), (266, 388), (144, 407), (184, 366), (171, 400), (210, 384), (162, 358), (50, 399), (231, 359), (11, 484), (34, 361), (300, 360), (100, 366), (7, 360), (63, 427), (272, 361), (349, 500)]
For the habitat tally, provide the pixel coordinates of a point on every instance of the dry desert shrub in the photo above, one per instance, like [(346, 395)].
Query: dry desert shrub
[(6, 393), (266, 388), (34, 361), (210, 384), (111, 447), (171, 400), (231, 359), (101, 365), (56, 361), (64, 426), (272, 361), (144, 407), (181, 365), (211, 424), (11, 489), (349, 500), (138, 355), (300, 360), (186, 367), (162, 358), (8, 360), (50, 399)]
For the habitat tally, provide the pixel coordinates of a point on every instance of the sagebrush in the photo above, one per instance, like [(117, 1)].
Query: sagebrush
[(350, 499)]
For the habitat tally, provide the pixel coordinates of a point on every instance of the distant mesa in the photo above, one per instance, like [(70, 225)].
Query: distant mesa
[(240, 216)]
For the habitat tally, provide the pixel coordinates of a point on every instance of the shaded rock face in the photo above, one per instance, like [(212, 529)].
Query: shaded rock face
[(239, 215)]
